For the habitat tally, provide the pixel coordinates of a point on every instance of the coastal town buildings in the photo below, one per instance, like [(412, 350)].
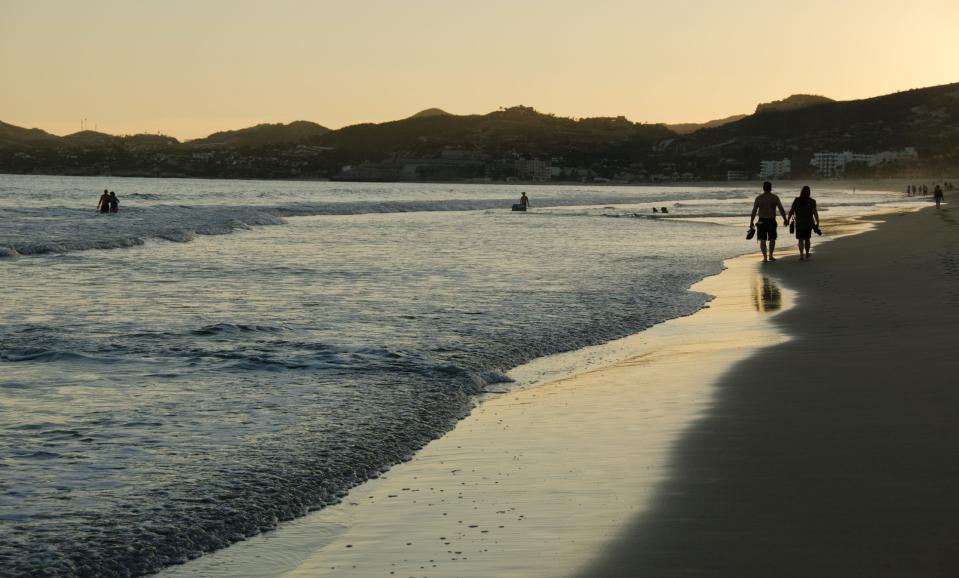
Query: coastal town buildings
[(534, 170), (830, 164), (775, 169)]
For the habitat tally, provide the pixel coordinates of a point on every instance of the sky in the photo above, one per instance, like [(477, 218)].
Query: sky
[(188, 68)]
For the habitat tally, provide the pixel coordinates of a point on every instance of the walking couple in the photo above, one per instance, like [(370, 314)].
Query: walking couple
[(765, 206)]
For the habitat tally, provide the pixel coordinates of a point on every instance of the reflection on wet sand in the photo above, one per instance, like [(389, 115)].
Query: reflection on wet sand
[(767, 296)]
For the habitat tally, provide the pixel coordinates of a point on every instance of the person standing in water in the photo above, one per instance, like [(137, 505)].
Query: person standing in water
[(765, 207), (104, 205), (524, 201), (937, 195), (807, 219), (114, 203)]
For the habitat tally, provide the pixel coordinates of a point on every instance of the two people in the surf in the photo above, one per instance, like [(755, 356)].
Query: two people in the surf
[(109, 203), (765, 207)]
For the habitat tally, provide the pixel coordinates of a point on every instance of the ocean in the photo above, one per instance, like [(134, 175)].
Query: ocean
[(221, 356)]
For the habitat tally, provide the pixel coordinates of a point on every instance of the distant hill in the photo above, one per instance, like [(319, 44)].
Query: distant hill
[(150, 140), (435, 145), (263, 134), (431, 112), (14, 136), (518, 130), (927, 119), (11, 135), (89, 138), (690, 127), (794, 102)]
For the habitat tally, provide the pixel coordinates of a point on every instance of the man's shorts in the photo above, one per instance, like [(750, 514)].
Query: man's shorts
[(766, 230)]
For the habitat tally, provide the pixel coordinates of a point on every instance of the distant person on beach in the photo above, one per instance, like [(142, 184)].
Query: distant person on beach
[(765, 207), (807, 218), (104, 205), (937, 194), (524, 200), (114, 203)]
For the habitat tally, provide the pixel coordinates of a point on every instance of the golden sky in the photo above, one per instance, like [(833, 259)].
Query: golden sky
[(191, 67)]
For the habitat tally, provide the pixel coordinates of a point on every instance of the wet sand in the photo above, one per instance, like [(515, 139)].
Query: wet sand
[(835, 453)]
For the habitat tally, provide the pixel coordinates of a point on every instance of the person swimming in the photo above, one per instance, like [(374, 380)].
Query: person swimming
[(104, 205), (523, 203), (114, 203)]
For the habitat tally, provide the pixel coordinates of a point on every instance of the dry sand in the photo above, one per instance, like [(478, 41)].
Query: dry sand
[(837, 452)]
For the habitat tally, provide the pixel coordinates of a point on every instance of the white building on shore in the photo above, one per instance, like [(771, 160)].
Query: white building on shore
[(829, 164), (775, 169), (534, 169)]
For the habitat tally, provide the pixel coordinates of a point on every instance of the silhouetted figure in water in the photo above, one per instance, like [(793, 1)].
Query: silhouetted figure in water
[(807, 219), (522, 204), (104, 205), (114, 203), (765, 207), (937, 194)]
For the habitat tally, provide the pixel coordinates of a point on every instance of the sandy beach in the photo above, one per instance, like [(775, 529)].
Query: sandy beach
[(832, 454), (801, 425)]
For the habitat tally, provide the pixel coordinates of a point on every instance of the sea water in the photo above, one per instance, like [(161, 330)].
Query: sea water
[(221, 356)]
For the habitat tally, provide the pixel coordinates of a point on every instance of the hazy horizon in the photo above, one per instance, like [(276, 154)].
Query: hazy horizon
[(188, 70)]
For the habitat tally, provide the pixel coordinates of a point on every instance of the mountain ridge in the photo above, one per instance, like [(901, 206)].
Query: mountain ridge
[(434, 144)]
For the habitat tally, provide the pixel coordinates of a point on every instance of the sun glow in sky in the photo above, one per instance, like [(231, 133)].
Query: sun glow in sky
[(191, 67)]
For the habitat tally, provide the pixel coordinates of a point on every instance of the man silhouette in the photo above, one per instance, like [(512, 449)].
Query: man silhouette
[(765, 207)]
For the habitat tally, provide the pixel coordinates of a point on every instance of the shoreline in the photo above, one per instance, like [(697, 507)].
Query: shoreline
[(833, 453), (372, 526), (332, 538), (890, 184)]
